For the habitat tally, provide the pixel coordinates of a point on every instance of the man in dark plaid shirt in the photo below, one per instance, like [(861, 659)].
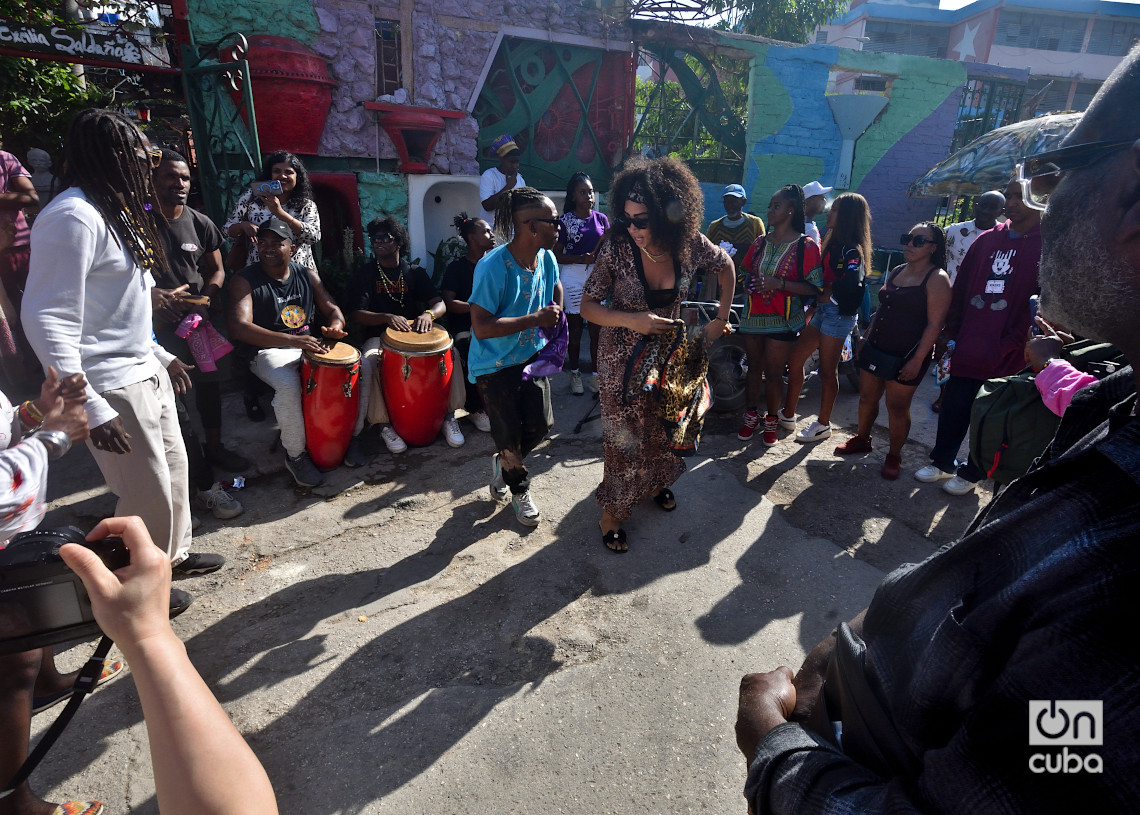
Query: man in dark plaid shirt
[(1037, 602)]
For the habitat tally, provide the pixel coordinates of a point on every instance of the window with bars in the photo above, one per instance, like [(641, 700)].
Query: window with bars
[(907, 38), (986, 104), (1113, 38), (389, 73), (1043, 32)]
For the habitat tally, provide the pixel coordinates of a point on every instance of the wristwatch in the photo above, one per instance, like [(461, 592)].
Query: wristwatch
[(56, 441)]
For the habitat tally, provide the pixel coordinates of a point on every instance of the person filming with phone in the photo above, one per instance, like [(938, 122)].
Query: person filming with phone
[(282, 191)]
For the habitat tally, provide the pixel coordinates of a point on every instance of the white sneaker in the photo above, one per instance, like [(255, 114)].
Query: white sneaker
[(499, 488), (481, 421), (392, 440), (525, 510), (932, 475), (959, 486), (814, 432), (221, 503), (451, 432), (592, 383), (785, 422), (576, 383)]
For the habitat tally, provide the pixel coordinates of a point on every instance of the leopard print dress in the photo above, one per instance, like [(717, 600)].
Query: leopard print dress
[(637, 458)]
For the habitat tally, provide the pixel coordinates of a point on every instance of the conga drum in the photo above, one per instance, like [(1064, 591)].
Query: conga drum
[(329, 402), (415, 376)]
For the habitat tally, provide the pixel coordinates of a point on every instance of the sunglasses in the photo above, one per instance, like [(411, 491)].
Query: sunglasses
[(382, 239), (1039, 175), (639, 222), (919, 241), (150, 154), (551, 221)]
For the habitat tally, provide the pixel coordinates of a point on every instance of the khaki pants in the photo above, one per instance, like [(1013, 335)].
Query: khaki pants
[(151, 481)]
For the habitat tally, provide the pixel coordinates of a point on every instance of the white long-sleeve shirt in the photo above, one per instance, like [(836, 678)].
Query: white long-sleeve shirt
[(87, 303)]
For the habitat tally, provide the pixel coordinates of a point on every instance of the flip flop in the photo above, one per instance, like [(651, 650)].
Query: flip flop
[(615, 541), (665, 499), (111, 669)]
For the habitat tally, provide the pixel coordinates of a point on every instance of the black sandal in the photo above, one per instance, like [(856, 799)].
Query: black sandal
[(615, 541), (665, 499)]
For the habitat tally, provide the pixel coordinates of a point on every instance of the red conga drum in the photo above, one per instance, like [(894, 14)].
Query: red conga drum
[(329, 402), (415, 376)]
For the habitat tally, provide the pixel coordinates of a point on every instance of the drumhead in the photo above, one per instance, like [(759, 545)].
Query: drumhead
[(410, 342), (340, 354)]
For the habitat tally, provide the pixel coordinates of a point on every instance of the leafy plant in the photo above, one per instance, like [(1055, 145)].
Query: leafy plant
[(787, 20)]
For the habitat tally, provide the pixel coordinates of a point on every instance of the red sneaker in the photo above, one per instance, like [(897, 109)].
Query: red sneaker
[(771, 424), (751, 420), (855, 444), (891, 467)]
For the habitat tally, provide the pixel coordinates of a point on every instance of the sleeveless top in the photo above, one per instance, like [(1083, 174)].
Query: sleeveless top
[(901, 317), (285, 306)]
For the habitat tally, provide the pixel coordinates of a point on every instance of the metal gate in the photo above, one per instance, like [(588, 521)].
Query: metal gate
[(220, 104), (986, 104)]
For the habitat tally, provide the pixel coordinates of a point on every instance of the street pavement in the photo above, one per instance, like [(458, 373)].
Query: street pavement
[(398, 643)]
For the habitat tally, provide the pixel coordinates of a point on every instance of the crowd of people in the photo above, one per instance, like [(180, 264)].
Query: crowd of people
[(912, 706)]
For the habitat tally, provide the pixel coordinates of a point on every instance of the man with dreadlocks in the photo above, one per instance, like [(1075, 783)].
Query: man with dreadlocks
[(87, 308)]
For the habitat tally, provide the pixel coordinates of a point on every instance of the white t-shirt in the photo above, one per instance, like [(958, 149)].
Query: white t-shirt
[(491, 182), (811, 230)]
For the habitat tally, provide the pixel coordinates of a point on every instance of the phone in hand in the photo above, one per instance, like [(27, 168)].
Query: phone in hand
[(264, 189), (1034, 308)]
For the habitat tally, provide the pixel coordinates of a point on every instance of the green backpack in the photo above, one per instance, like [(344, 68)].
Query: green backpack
[(1010, 427)]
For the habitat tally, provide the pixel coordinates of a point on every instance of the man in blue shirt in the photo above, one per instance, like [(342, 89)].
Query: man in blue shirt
[(516, 292)]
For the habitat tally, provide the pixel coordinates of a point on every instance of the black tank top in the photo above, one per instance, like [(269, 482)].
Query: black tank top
[(901, 317), (285, 306)]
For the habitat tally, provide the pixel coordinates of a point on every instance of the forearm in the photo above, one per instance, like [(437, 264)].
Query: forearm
[(490, 327), (17, 200), (594, 312), (255, 335), (457, 306), (368, 318), (201, 763)]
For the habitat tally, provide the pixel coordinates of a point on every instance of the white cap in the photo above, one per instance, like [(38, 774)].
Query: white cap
[(814, 188)]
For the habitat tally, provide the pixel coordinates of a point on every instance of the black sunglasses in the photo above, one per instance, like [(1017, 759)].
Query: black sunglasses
[(637, 222), (382, 239), (919, 241), (551, 221)]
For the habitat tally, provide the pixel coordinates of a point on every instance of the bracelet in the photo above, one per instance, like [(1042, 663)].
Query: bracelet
[(428, 313), (31, 417), (56, 441)]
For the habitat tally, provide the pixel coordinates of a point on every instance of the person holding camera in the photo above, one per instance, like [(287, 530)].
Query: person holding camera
[(32, 435), (282, 191), (201, 762)]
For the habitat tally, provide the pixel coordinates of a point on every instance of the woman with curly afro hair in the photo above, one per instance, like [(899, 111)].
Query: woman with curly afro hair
[(642, 272)]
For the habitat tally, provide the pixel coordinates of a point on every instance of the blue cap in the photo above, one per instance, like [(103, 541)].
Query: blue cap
[(736, 190)]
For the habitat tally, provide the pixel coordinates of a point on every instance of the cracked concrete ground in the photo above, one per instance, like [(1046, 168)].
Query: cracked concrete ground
[(397, 642)]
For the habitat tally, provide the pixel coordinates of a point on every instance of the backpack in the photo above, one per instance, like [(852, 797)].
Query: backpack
[(1010, 427)]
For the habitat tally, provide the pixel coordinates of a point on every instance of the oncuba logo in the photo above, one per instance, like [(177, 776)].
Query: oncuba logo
[(1066, 723)]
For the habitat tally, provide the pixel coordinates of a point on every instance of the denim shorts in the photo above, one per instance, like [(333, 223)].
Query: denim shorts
[(831, 323)]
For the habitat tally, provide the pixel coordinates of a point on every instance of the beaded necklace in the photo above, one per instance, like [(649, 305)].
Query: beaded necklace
[(393, 287)]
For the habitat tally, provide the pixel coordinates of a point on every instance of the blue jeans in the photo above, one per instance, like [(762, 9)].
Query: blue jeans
[(954, 425)]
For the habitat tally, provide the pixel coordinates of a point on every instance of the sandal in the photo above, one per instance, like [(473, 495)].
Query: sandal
[(615, 541), (665, 499), (111, 669)]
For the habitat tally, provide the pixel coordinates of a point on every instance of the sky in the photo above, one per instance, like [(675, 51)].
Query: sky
[(953, 4)]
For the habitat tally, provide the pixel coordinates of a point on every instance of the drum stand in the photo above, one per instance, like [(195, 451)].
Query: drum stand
[(589, 416)]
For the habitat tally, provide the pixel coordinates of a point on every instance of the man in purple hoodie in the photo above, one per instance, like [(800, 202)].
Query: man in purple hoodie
[(989, 321)]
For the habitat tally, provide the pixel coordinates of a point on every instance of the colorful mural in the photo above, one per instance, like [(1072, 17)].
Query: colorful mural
[(793, 135), (569, 109)]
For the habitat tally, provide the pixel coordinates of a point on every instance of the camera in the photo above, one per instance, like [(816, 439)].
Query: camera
[(43, 602), (265, 188)]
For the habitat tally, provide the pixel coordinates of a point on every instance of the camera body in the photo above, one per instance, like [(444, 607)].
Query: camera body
[(265, 188), (43, 602)]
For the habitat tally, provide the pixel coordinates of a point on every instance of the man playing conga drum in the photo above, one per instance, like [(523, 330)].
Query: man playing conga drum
[(271, 311)]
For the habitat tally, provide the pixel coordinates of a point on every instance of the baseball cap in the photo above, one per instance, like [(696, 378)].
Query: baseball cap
[(277, 227), (504, 145), (736, 190), (815, 188)]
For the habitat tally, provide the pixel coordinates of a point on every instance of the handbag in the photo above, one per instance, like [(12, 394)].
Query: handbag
[(881, 364)]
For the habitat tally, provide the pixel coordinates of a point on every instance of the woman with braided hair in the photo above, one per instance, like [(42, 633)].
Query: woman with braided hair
[(87, 309)]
